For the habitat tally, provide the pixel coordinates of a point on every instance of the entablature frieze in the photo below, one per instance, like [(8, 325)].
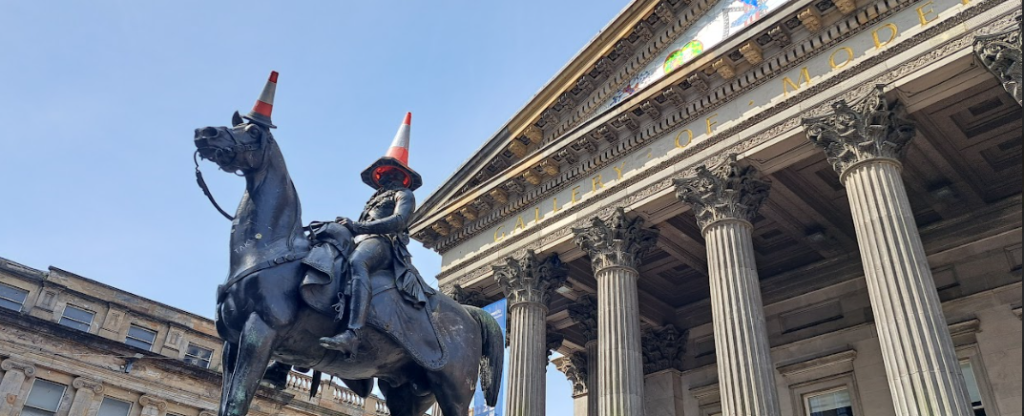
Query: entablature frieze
[(470, 268), (686, 96)]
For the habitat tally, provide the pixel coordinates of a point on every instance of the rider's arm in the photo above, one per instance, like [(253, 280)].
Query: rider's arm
[(397, 222)]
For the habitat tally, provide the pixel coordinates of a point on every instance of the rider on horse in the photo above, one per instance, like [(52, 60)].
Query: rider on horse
[(381, 235)]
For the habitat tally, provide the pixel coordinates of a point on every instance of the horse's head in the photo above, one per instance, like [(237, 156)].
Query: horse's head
[(241, 148)]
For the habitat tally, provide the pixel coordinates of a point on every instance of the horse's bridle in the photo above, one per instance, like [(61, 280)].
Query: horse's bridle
[(236, 149)]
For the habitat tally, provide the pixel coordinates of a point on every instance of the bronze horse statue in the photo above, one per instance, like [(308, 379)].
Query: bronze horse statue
[(262, 317)]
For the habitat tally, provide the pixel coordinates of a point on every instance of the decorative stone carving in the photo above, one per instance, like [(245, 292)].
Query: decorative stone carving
[(530, 279), (752, 53), (482, 205), (441, 227), (650, 109), (515, 185), (625, 121), (533, 133), (468, 212), (499, 195), (567, 156), (643, 31), (152, 406), (779, 36), (517, 148), (575, 368), (697, 82), (674, 95), (583, 144), (584, 313), (724, 68), (455, 220), (466, 296), (663, 348), (550, 167), (11, 364), (618, 242), (845, 6), (532, 176), (810, 19), (730, 191), (868, 129), (605, 133), (1001, 54), (86, 383)]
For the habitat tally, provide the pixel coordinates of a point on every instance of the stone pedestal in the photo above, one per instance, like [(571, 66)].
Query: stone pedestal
[(616, 248), (725, 202), (88, 393), (528, 283), (16, 373), (864, 143), (663, 393)]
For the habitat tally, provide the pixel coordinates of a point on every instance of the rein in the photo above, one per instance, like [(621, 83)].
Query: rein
[(206, 189)]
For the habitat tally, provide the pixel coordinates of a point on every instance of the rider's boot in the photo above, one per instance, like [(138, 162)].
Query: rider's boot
[(359, 305)]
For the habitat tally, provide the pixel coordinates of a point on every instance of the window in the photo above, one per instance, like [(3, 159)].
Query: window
[(140, 337), (972, 387), (197, 355), (12, 297), (114, 407), (78, 318), (43, 399), (829, 403)]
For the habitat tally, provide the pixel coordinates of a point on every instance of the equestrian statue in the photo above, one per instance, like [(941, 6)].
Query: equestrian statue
[(339, 297)]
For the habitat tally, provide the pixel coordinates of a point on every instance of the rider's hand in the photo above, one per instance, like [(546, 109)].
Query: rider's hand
[(343, 221)]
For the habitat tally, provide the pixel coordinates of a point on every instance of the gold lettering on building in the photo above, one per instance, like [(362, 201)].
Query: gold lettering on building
[(554, 205), (618, 170), (520, 224), (804, 78), (596, 183), (893, 31), (922, 14), (832, 58), (575, 194), (689, 138), (712, 123), (498, 230), (536, 215)]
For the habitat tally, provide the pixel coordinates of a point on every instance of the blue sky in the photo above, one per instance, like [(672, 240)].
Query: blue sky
[(100, 100)]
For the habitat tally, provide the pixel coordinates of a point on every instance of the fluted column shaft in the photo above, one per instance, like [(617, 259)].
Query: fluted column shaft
[(593, 381), (725, 201), (746, 376), (527, 358), (864, 143), (920, 360), (528, 283), (616, 248)]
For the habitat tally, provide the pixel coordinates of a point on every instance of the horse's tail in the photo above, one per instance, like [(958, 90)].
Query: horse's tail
[(493, 358)]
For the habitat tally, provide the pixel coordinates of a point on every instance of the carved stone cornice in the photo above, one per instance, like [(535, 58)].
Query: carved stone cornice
[(11, 364), (575, 368), (465, 296), (1001, 54), (552, 340), (729, 192), (584, 314), (153, 401), (529, 279), (869, 129), (88, 384), (663, 348), (619, 242)]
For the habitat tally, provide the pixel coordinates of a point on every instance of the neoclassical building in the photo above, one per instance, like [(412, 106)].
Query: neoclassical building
[(71, 346), (758, 207)]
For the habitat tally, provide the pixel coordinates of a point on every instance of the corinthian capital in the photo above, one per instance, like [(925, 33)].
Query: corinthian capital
[(465, 296), (1001, 54), (575, 368), (584, 314), (729, 192), (530, 279), (663, 348), (868, 129), (618, 242)]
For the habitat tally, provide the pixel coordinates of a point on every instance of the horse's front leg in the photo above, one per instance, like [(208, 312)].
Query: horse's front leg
[(252, 355)]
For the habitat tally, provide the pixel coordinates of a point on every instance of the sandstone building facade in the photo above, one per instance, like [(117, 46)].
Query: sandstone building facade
[(802, 207), (71, 346)]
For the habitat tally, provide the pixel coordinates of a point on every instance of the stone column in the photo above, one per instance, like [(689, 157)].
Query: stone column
[(725, 202), (87, 392), (152, 406), (616, 249), (584, 313), (575, 368), (15, 374), (663, 349), (528, 283), (1001, 54), (864, 142)]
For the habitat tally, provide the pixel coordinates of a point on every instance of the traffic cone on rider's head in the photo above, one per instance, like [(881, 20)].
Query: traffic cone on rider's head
[(260, 113), (396, 159)]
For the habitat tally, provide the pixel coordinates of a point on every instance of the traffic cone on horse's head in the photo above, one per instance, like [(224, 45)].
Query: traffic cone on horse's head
[(260, 113), (395, 160)]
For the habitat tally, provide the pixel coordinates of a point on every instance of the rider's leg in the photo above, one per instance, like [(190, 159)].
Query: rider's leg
[(369, 255)]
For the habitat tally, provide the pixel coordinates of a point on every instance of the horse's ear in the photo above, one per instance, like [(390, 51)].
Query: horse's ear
[(236, 119)]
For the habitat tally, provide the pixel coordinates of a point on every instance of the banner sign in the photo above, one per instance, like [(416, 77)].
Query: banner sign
[(480, 407)]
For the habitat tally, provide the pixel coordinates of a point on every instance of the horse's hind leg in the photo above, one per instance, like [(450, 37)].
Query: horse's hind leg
[(251, 358), (453, 394), (403, 401)]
